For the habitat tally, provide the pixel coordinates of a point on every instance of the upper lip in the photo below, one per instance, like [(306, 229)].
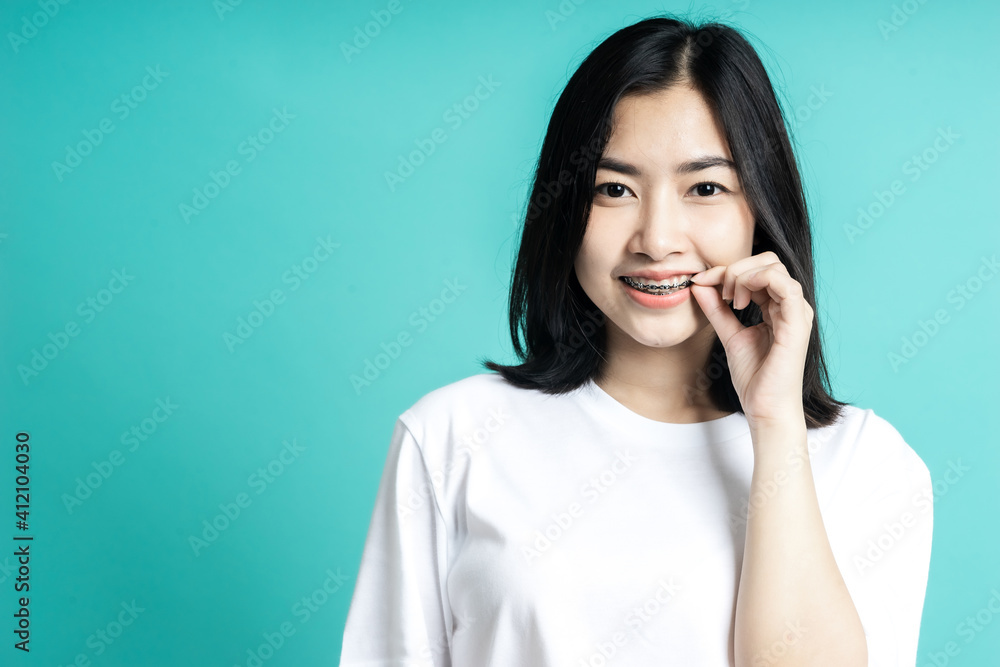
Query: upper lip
[(660, 275)]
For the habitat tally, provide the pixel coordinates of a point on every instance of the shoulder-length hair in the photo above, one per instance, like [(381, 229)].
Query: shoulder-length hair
[(563, 330)]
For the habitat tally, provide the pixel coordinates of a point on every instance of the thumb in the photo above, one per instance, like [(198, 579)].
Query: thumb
[(717, 311)]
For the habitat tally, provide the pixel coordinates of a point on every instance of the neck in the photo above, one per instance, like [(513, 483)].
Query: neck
[(668, 384)]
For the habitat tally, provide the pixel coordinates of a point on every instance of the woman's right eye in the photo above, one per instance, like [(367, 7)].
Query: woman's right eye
[(615, 190)]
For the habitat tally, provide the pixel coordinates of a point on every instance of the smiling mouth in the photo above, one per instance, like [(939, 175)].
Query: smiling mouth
[(656, 288)]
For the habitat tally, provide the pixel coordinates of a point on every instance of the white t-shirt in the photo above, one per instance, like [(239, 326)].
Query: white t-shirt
[(514, 528)]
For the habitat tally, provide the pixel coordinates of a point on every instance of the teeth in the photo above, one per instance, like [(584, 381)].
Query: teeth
[(675, 282)]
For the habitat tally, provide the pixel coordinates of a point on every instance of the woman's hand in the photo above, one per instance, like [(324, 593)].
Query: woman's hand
[(766, 361)]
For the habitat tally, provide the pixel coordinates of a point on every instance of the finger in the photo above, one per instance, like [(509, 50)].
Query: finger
[(712, 276), (741, 296), (775, 282), (717, 311), (779, 295), (741, 266), (744, 292)]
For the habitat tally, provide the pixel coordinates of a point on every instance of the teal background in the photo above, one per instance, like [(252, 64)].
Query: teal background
[(455, 218)]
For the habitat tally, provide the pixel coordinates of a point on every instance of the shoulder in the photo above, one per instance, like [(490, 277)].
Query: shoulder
[(484, 400), (876, 439), (450, 424), (461, 392), (462, 396), (870, 453)]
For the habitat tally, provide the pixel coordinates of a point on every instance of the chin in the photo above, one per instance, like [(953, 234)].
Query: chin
[(662, 334)]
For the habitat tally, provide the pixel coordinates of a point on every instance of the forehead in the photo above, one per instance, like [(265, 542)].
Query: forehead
[(672, 123)]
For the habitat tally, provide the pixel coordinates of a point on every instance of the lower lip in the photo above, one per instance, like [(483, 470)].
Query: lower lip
[(657, 300)]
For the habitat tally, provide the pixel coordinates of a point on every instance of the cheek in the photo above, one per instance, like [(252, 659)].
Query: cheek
[(603, 237), (587, 264), (725, 235), (590, 258), (593, 266)]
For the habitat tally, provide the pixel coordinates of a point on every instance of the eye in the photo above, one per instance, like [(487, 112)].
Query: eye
[(617, 189), (706, 189)]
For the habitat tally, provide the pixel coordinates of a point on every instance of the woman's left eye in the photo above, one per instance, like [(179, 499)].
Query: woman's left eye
[(708, 189)]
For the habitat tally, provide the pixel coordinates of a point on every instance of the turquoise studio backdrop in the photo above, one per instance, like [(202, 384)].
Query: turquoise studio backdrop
[(238, 239)]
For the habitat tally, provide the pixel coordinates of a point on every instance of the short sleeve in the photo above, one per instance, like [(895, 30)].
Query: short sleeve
[(398, 616), (887, 561)]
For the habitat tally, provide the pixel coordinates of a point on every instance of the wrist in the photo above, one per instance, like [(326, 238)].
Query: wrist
[(788, 419), (790, 428)]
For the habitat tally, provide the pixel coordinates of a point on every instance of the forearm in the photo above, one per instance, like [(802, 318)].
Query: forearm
[(793, 607)]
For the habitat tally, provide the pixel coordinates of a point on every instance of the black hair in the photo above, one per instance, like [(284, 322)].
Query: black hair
[(564, 331)]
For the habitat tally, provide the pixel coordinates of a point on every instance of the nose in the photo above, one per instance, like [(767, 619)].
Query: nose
[(660, 229)]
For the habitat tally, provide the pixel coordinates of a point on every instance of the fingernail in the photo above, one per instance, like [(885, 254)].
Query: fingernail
[(695, 277)]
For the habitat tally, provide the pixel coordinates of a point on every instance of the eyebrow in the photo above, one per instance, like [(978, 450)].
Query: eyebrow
[(708, 162)]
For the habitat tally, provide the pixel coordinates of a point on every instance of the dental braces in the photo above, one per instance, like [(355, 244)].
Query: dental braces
[(662, 288)]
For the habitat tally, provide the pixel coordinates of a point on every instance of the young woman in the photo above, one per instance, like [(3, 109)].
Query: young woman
[(665, 479)]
